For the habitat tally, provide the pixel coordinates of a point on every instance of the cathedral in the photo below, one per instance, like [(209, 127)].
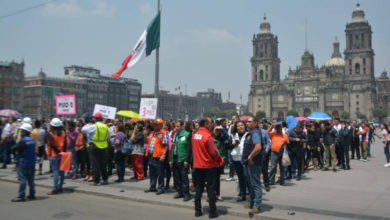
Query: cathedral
[(341, 84)]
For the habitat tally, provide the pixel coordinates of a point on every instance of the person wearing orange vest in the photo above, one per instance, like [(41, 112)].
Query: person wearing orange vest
[(205, 160), (156, 151), (55, 146)]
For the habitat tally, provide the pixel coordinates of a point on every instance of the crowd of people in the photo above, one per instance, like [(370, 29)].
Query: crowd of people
[(258, 152)]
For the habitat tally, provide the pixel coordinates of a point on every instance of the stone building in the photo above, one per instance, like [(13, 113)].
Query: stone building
[(86, 84), (11, 85), (341, 84)]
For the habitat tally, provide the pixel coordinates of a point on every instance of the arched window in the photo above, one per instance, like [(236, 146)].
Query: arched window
[(261, 75), (357, 68)]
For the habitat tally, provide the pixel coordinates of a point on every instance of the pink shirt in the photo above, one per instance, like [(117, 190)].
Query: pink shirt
[(383, 135)]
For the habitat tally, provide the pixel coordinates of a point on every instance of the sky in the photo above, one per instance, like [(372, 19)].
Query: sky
[(204, 44)]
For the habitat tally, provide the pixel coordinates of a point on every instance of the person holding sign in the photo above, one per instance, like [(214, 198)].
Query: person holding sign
[(55, 146)]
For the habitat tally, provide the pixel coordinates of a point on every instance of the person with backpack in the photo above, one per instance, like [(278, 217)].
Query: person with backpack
[(56, 143)]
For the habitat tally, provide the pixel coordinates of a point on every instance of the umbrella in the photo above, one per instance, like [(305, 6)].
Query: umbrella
[(10, 113), (129, 114), (319, 116), (302, 118), (291, 122), (244, 117)]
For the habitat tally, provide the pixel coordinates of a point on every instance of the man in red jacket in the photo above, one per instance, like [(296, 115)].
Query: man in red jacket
[(205, 160)]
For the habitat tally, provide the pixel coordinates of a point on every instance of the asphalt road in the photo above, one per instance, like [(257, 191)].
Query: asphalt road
[(82, 206)]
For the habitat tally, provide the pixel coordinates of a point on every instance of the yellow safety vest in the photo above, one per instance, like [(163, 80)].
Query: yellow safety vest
[(100, 138)]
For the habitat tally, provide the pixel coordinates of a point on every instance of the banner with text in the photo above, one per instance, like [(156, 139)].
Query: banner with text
[(66, 105), (148, 108), (107, 111)]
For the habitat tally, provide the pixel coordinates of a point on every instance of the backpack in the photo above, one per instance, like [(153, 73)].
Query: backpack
[(127, 147)]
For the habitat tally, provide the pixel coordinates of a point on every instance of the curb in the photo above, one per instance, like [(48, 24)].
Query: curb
[(153, 202)]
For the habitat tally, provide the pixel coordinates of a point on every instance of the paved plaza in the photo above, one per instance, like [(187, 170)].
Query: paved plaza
[(360, 193)]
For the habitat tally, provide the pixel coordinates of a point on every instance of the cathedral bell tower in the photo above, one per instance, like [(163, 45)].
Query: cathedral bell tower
[(359, 55), (265, 61)]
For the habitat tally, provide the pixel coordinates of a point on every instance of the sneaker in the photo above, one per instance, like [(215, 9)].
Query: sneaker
[(254, 211), (365, 160), (387, 165), (18, 199), (229, 179), (362, 159)]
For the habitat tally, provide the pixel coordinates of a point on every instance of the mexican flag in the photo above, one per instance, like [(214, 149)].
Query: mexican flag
[(149, 40)]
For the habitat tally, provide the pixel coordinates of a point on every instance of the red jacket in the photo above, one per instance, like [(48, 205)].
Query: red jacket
[(204, 151)]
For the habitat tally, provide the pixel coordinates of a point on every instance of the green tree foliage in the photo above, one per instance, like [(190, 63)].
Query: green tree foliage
[(344, 115), (260, 114), (361, 116), (292, 112), (379, 113)]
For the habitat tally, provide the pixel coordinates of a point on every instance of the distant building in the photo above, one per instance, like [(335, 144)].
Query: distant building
[(87, 85), (341, 84), (11, 85), (179, 106)]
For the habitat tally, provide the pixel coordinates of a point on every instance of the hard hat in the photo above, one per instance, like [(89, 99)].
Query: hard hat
[(27, 120), (26, 127), (158, 121), (56, 122), (98, 115)]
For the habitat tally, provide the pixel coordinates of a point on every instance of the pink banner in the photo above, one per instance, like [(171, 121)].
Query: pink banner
[(66, 105)]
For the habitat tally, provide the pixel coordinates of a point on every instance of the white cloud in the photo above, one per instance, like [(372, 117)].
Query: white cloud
[(102, 8), (147, 9), (72, 8), (210, 35)]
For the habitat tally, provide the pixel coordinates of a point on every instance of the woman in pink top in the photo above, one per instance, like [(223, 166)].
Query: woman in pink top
[(386, 142)]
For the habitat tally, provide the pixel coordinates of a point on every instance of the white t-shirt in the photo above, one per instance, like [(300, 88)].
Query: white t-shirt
[(237, 151)]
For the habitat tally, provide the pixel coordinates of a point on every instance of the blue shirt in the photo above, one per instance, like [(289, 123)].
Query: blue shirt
[(265, 137)]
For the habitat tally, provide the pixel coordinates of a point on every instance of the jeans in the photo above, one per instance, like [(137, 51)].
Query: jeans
[(387, 152), (369, 148), (7, 145), (156, 173), (241, 178), (297, 155), (99, 164), (181, 178), (58, 176), (119, 158), (255, 190), (345, 155), (330, 156), (276, 158), (74, 160), (25, 175), (205, 176)]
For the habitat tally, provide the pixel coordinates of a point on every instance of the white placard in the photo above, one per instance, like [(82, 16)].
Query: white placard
[(148, 108), (107, 111), (66, 105)]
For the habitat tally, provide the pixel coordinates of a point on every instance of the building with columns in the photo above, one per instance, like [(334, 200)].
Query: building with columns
[(341, 84)]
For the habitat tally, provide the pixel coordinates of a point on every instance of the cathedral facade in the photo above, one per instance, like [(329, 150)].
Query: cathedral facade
[(341, 84)]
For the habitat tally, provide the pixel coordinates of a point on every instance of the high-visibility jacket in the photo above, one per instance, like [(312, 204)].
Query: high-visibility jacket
[(59, 141), (100, 138), (158, 147)]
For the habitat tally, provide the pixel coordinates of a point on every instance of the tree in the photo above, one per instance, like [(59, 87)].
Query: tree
[(379, 113), (209, 113), (260, 114), (361, 116), (292, 112), (344, 115)]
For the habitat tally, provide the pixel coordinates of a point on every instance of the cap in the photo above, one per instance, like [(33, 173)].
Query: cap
[(26, 127), (158, 121), (278, 123), (98, 115)]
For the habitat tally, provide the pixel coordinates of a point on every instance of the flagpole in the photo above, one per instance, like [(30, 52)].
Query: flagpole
[(156, 76)]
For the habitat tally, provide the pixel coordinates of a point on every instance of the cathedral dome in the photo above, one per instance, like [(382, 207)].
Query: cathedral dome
[(335, 61), (358, 14), (265, 26)]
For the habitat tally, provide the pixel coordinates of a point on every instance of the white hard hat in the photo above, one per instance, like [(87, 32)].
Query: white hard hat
[(27, 120), (56, 122), (27, 127)]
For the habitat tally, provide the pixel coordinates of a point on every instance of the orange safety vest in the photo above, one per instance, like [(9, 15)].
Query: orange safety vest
[(159, 148), (59, 141)]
